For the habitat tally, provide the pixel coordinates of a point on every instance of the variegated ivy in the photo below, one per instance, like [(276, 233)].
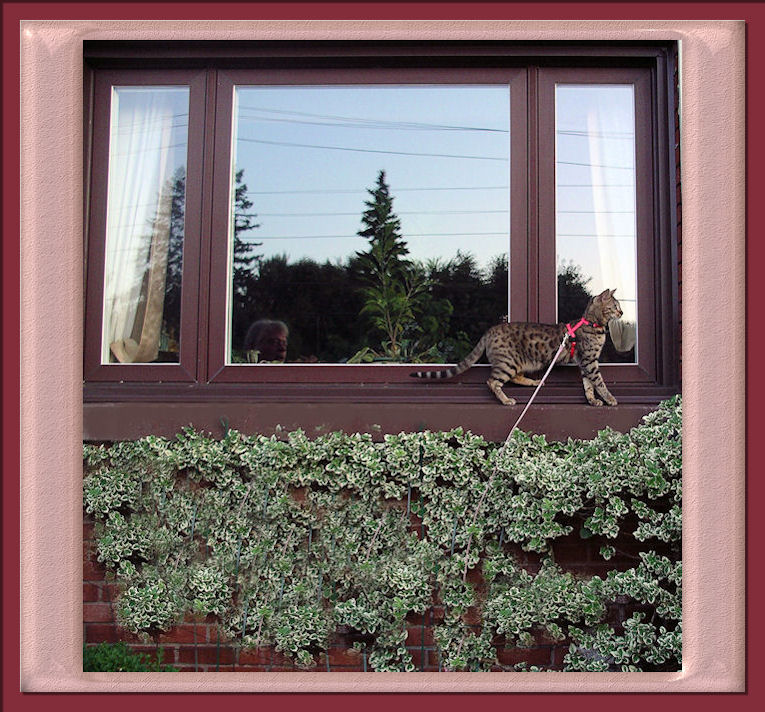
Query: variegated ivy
[(284, 539)]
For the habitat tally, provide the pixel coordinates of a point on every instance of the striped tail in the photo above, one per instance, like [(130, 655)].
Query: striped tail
[(461, 367)]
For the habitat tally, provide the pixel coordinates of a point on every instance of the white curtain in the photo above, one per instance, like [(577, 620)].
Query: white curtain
[(611, 139), (147, 143)]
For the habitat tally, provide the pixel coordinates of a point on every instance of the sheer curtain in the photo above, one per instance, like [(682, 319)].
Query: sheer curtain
[(147, 144), (610, 127), (596, 194)]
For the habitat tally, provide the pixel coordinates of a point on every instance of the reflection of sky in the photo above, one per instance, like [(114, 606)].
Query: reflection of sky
[(309, 155), (444, 150), (595, 182)]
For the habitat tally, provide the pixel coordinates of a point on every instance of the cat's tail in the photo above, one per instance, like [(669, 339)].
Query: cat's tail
[(461, 367)]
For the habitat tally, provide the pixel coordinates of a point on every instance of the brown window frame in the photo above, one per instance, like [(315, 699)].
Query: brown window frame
[(185, 370), (529, 70)]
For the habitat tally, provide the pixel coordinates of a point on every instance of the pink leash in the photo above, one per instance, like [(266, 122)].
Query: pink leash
[(507, 439)]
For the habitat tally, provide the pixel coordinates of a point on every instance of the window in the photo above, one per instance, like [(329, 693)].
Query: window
[(385, 203)]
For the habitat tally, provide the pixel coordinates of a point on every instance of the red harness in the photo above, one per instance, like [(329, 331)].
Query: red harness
[(572, 332)]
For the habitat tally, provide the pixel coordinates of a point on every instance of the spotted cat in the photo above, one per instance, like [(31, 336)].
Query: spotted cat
[(518, 348)]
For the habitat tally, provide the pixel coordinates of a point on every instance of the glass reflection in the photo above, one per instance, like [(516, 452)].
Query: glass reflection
[(595, 206), (145, 224), (371, 221)]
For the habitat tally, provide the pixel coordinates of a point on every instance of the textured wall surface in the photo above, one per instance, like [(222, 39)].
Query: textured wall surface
[(713, 154)]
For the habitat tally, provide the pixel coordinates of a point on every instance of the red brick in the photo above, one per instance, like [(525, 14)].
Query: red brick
[(346, 657), (91, 592), (413, 619), (92, 570), (558, 653), (187, 668), (108, 633), (88, 531), (417, 635), (97, 612), (437, 613), (254, 656), (419, 658), (532, 656), (472, 616), (185, 634), (109, 591), (206, 655), (571, 551)]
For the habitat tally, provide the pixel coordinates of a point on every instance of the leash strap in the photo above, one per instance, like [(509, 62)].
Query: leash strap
[(539, 385), (504, 447), (572, 332)]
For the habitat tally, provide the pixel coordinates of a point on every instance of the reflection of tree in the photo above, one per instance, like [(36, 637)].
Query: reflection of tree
[(244, 258), (573, 294), (171, 317), (395, 290), (430, 312), (245, 262), (319, 302), (478, 298)]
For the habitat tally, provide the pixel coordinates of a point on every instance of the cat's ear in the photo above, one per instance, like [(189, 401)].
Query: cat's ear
[(612, 292), (603, 295)]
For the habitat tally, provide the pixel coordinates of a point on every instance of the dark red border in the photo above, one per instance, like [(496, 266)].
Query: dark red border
[(753, 13)]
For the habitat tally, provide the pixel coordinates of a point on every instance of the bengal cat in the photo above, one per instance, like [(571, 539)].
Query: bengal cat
[(517, 348)]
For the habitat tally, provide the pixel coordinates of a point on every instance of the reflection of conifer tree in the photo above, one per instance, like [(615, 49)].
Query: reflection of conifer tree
[(172, 217), (386, 260), (171, 317), (245, 264), (395, 289), (244, 257)]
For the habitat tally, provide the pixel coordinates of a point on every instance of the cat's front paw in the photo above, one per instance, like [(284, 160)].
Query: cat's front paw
[(612, 401), (595, 401)]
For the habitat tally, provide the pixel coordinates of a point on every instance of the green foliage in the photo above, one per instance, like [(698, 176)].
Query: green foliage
[(286, 539), (396, 291), (117, 657)]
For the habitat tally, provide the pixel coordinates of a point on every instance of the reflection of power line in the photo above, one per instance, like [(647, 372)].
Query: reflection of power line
[(356, 191), (371, 150), (357, 214), (366, 127), (590, 235), (129, 130), (408, 235), (600, 134), (595, 165), (597, 212), (373, 123)]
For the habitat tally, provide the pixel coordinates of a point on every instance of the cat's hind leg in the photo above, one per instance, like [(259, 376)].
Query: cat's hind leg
[(497, 378)]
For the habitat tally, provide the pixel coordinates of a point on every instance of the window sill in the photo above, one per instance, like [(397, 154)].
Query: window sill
[(127, 411)]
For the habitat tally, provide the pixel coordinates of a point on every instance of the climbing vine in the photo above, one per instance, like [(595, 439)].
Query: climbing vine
[(286, 539)]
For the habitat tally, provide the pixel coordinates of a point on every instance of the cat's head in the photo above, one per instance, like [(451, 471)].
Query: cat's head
[(606, 307)]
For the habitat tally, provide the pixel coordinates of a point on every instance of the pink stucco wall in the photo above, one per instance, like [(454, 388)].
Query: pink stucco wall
[(51, 342)]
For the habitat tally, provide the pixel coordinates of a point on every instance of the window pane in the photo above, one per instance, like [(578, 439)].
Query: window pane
[(595, 206), (373, 221), (145, 224)]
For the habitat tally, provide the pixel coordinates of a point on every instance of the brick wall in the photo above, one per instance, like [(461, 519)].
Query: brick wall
[(194, 645)]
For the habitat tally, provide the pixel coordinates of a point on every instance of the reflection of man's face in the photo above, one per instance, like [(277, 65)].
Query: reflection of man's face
[(273, 345)]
